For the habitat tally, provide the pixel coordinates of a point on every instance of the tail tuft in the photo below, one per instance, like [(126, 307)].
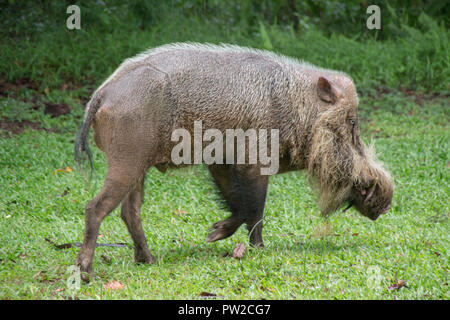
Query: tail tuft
[(82, 139)]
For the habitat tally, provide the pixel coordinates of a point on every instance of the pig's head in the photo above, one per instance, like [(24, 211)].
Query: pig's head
[(342, 168)]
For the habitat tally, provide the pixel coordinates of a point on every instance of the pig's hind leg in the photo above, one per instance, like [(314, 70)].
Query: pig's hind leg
[(118, 184), (123, 140), (131, 215)]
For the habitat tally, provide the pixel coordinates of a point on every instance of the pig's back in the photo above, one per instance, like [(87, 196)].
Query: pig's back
[(218, 85)]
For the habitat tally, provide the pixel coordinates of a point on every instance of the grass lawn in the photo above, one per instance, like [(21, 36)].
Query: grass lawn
[(306, 256)]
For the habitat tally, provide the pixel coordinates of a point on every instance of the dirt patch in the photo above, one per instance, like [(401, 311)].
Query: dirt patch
[(417, 95), (18, 127), (11, 89), (56, 109)]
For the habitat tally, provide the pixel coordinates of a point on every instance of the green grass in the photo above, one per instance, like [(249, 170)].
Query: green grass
[(306, 257)]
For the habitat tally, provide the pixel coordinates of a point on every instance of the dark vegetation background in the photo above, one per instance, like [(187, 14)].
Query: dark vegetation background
[(410, 51)]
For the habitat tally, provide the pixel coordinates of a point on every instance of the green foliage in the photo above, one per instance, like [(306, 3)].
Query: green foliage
[(410, 51)]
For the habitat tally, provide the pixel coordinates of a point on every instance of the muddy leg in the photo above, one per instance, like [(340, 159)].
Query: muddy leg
[(131, 215), (113, 191), (253, 189), (244, 190)]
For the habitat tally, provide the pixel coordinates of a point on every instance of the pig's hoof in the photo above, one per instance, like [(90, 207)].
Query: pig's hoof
[(87, 276), (145, 258), (86, 272), (214, 236), (222, 229)]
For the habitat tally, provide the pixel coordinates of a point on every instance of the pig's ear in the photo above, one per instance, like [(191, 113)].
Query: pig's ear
[(326, 90)]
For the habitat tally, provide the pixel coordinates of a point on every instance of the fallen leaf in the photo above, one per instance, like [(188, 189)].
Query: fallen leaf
[(238, 251), (65, 170), (398, 285), (355, 234), (66, 191), (38, 274), (177, 212), (42, 276), (267, 289), (207, 294), (113, 285), (106, 258)]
